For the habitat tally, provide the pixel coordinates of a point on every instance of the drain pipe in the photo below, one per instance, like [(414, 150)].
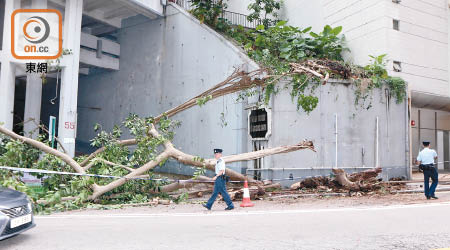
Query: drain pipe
[(336, 135), (376, 145)]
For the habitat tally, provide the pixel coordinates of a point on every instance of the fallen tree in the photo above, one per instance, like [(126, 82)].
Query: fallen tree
[(152, 137), (364, 181), (169, 152)]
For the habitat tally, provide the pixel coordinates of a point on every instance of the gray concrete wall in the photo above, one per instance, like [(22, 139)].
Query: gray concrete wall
[(356, 132), (163, 63)]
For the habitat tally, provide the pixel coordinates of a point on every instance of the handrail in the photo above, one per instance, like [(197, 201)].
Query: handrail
[(233, 17), (239, 19)]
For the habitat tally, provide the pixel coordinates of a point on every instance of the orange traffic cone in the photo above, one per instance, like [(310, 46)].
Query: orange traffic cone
[(246, 199)]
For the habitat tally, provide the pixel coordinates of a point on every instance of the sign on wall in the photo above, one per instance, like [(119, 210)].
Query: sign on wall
[(258, 123)]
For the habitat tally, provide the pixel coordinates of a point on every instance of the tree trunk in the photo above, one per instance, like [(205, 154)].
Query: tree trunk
[(185, 184), (341, 178)]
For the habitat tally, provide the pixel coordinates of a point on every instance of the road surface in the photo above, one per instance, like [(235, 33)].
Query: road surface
[(417, 226)]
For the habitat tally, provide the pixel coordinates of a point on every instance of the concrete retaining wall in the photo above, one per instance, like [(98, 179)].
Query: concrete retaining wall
[(356, 133)]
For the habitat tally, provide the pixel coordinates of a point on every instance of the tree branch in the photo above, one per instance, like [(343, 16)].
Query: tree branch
[(137, 172), (115, 164), (39, 145), (98, 151)]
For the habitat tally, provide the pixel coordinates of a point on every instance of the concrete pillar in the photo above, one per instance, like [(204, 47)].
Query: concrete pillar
[(67, 123), (7, 70), (33, 99), (33, 94)]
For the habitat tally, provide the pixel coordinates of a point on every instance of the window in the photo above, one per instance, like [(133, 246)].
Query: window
[(397, 66), (396, 24)]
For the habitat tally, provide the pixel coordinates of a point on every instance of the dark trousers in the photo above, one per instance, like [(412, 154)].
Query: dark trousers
[(433, 173), (220, 187)]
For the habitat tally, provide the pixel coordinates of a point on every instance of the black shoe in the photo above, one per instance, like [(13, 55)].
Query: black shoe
[(428, 197), (204, 205), (229, 208), (434, 197)]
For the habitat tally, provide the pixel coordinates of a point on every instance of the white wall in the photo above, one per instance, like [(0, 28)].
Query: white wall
[(421, 44), (239, 6)]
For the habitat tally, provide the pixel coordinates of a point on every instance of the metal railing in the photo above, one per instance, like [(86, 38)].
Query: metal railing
[(185, 4), (233, 17), (239, 19)]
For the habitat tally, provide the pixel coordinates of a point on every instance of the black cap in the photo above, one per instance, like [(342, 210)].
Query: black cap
[(426, 143), (217, 150)]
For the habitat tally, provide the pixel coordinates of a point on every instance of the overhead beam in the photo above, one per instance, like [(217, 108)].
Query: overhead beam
[(143, 9), (116, 12), (108, 46), (94, 4), (84, 71), (95, 14), (102, 30), (89, 57)]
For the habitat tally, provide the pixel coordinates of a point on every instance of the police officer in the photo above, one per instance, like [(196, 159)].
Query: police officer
[(425, 160), (219, 182)]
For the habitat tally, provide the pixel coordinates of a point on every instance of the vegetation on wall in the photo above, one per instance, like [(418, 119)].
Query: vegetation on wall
[(208, 11), (264, 11), (275, 45)]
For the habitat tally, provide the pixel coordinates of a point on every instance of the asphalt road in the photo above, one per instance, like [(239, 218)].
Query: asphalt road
[(423, 226)]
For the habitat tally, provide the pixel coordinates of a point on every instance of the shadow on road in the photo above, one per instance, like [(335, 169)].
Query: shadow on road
[(15, 241)]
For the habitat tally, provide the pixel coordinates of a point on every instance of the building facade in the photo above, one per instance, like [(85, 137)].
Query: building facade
[(414, 34)]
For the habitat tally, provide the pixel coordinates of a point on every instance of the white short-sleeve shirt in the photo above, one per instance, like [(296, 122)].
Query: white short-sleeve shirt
[(220, 165), (426, 156)]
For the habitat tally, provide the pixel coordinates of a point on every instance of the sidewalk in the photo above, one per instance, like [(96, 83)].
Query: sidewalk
[(277, 204), (443, 176)]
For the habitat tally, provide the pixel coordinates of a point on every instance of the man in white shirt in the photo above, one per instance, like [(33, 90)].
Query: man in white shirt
[(219, 183), (425, 160)]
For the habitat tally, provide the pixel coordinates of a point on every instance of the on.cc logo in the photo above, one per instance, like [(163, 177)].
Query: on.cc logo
[(37, 25)]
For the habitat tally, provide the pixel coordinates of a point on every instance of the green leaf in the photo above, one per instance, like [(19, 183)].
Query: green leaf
[(301, 54), (260, 27), (96, 127), (314, 35), (259, 41), (286, 49), (307, 30), (327, 30), (281, 23), (337, 30)]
